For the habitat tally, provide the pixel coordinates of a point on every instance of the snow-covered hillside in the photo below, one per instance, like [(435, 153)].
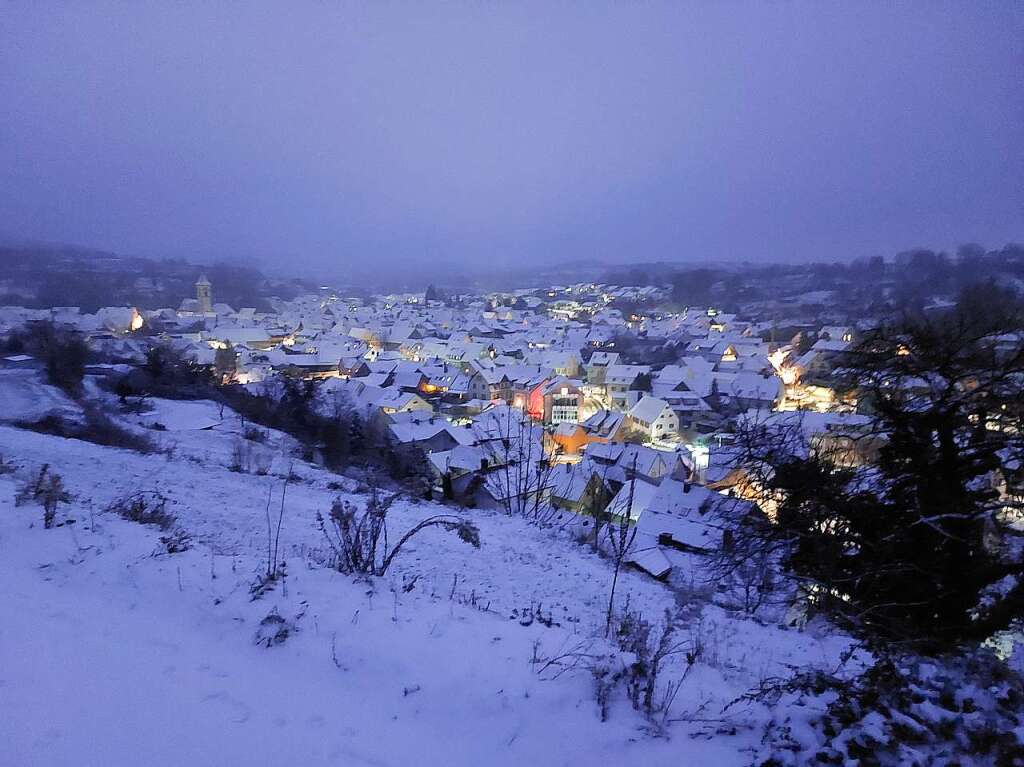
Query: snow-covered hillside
[(117, 653)]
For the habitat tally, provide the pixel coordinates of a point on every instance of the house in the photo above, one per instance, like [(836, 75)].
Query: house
[(618, 462), (606, 426), (618, 382), (498, 385), (410, 381), (431, 436), (569, 438), (598, 365), (680, 520), (821, 358), (460, 471), (633, 497), (753, 391), (843, 333), (578, 489), (253, 338), (554, 401), (469, 386), (394, 401), (654, 418), (561, 363)]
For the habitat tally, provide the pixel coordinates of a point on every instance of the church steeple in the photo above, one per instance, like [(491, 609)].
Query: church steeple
[(204, 295)]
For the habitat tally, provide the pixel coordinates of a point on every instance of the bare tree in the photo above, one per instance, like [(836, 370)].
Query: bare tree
[(274, 566), (620, 539), (522, 478)]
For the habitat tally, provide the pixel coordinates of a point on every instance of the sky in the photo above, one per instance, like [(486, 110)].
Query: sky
[(334, 136)]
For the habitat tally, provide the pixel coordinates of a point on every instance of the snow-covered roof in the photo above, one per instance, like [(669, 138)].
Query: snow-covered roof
[(648, 409)]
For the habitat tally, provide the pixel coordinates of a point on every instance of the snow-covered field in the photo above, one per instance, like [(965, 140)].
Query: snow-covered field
[(113, 653)]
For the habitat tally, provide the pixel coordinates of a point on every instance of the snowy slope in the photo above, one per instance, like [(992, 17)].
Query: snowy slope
[(116, 654)]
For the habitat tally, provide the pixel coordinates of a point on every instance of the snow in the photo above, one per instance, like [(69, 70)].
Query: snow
[(24, 397), (116, 654), (186, 415)]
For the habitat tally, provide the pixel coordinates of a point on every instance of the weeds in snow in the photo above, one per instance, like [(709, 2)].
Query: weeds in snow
[(149, 507), (46, 489), (273, 630)]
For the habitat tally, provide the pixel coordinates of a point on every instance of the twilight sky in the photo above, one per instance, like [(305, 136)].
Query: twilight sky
[(338, 134)]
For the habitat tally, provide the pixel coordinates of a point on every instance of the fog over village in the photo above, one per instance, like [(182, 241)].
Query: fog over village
[(498, 385)]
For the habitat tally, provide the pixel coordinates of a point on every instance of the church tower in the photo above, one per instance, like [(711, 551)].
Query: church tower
[(204, 295)]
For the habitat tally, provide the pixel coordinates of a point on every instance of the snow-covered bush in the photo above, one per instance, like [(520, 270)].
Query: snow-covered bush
[(966, 710), (255, 435)]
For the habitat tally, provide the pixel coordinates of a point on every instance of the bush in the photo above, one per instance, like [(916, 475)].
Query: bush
[(63, 352), (255, 435), (359, 539), (912, 711), (176, 541), (246, 460), (146, 508), (167, 373), (149, 507), (644, 649)]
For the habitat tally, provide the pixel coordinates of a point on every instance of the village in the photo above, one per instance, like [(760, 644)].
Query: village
[(528, 400)]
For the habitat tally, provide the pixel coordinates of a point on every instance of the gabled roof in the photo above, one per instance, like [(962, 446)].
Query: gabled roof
[(605, 423), (624, 374), (633, 497), (571, 482), (648, 409)]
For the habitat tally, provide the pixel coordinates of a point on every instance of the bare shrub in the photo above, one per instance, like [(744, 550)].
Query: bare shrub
[(648, 649), (359, 539), (176, 541), (146, 507), (47, 489), (241, 457), (638, 668)]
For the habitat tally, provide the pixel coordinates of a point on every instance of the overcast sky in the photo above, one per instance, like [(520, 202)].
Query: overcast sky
[(335, 133)]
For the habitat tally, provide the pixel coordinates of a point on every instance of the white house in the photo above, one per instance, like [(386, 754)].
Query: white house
[(654, 418)]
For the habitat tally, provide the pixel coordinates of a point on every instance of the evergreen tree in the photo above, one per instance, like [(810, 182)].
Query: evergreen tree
[(897, 530)]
